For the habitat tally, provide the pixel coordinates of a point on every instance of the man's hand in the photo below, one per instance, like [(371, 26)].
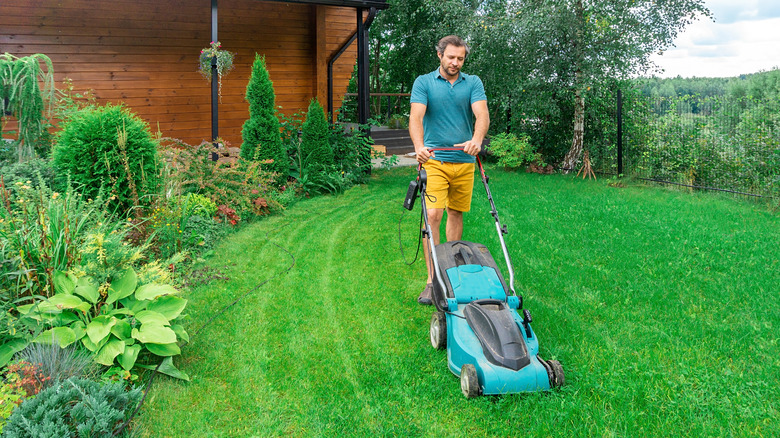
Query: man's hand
[(423, 155), (470, 147)]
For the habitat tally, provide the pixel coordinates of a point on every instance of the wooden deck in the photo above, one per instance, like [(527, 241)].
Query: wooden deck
[(395, 141)]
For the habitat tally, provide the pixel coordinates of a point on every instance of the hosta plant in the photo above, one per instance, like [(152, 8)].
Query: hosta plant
[(121, 322)]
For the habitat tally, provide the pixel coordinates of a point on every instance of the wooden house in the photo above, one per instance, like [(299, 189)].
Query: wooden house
[(145, 53)]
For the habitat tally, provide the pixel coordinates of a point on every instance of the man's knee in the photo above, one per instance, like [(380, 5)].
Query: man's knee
[(435, 215), (455, 215)]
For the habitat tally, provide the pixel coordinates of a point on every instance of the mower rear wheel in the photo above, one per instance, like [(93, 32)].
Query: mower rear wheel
[(558, 379), (439, 331), (469, 382)]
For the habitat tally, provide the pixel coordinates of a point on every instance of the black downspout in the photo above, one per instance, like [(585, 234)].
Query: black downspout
[(371, 15), (330, 74), (362, 55), (214, 84), (363, 88)]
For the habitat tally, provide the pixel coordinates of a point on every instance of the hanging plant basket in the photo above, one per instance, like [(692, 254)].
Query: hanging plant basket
[(224, 62)]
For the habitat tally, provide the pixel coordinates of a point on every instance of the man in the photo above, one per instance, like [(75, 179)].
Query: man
[(448, 108)]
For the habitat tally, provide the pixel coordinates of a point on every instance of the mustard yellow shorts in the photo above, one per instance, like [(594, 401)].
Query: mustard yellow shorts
[(449, 185)]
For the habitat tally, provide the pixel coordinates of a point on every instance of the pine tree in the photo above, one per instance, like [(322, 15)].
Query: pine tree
[(261, 133), (315, 146)]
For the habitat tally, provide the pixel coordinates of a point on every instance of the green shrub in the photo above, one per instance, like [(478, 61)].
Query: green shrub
[(513, 151), (76, 407), (195, 204), (240, 186), (33, 170), (200, 233), (108, 148), (398, 121), (352, 151), (261, 132), (315, 147)]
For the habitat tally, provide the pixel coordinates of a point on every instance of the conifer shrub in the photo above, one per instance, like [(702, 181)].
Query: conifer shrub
[(75, 407), (108, 148), (261, 133), (315, 141)]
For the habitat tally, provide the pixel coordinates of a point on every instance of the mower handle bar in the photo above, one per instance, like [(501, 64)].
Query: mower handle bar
[(501, 229)]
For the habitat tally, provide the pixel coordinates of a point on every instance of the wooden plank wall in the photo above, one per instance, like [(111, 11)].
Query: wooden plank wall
[(145, 53)]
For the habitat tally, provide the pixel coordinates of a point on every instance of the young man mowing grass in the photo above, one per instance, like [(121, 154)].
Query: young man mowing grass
[(449, 109)]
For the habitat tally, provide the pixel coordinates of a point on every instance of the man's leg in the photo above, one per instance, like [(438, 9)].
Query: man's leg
[(454, 225), (436, 201), (459, 200), (434, 218)]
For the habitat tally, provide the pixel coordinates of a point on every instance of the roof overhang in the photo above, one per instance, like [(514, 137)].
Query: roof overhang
[(364, 4)]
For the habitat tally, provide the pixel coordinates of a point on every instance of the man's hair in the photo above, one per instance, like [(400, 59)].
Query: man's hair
[(451, 40)]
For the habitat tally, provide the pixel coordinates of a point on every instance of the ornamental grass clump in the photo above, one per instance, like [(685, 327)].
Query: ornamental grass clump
[(108, 149), (42, 231), (56, 364)]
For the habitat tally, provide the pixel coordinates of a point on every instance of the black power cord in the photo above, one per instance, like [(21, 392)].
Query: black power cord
[(419, 240), (430, 198)]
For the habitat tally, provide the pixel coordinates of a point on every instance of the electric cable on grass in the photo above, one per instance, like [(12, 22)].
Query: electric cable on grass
[(210, 320), (419, 240), (419, 235)]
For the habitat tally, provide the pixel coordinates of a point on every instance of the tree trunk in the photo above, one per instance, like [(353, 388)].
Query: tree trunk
[(570, 161), (571, 158)]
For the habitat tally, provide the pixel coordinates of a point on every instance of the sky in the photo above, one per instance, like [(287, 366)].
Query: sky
[(743, 38)]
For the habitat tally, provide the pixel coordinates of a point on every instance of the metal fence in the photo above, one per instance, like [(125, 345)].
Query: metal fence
[(713, 143)]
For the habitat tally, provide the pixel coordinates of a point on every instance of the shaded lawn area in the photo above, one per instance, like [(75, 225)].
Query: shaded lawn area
[(662, 307)]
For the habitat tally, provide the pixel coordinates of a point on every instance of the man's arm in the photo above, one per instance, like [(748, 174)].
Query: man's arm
[(416, 114), (481, 125)]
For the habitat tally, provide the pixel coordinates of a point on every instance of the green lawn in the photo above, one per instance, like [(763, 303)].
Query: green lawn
[(662, 307)]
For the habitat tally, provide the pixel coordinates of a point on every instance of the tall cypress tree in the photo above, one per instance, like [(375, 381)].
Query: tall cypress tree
[(315, 146), (261, 134)]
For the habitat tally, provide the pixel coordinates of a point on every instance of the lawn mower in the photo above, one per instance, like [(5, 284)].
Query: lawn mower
[(490, 346)]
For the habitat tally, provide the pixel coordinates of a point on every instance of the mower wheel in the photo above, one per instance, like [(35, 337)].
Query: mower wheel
[(469, 382), (439, 331), (557, 374)]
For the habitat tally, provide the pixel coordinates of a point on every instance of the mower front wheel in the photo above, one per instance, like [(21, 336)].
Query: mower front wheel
[(469, 382), (439, 331), (557, 379)]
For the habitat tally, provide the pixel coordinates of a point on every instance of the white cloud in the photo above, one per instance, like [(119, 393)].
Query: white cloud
[(745, 38), (731, 11)]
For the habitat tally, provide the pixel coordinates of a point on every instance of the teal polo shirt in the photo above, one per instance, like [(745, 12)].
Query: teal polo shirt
[(448, 118)]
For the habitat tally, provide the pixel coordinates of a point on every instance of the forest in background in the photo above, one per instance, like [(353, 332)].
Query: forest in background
[(552, 70), (721, 133)]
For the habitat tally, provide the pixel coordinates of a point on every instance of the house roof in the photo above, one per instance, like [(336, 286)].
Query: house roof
[(379, 4)]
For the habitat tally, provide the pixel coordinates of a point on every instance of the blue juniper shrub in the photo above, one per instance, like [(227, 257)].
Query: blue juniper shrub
[(75, 407)]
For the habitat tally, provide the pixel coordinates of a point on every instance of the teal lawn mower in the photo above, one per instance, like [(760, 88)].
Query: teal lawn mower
[(490, 346)]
